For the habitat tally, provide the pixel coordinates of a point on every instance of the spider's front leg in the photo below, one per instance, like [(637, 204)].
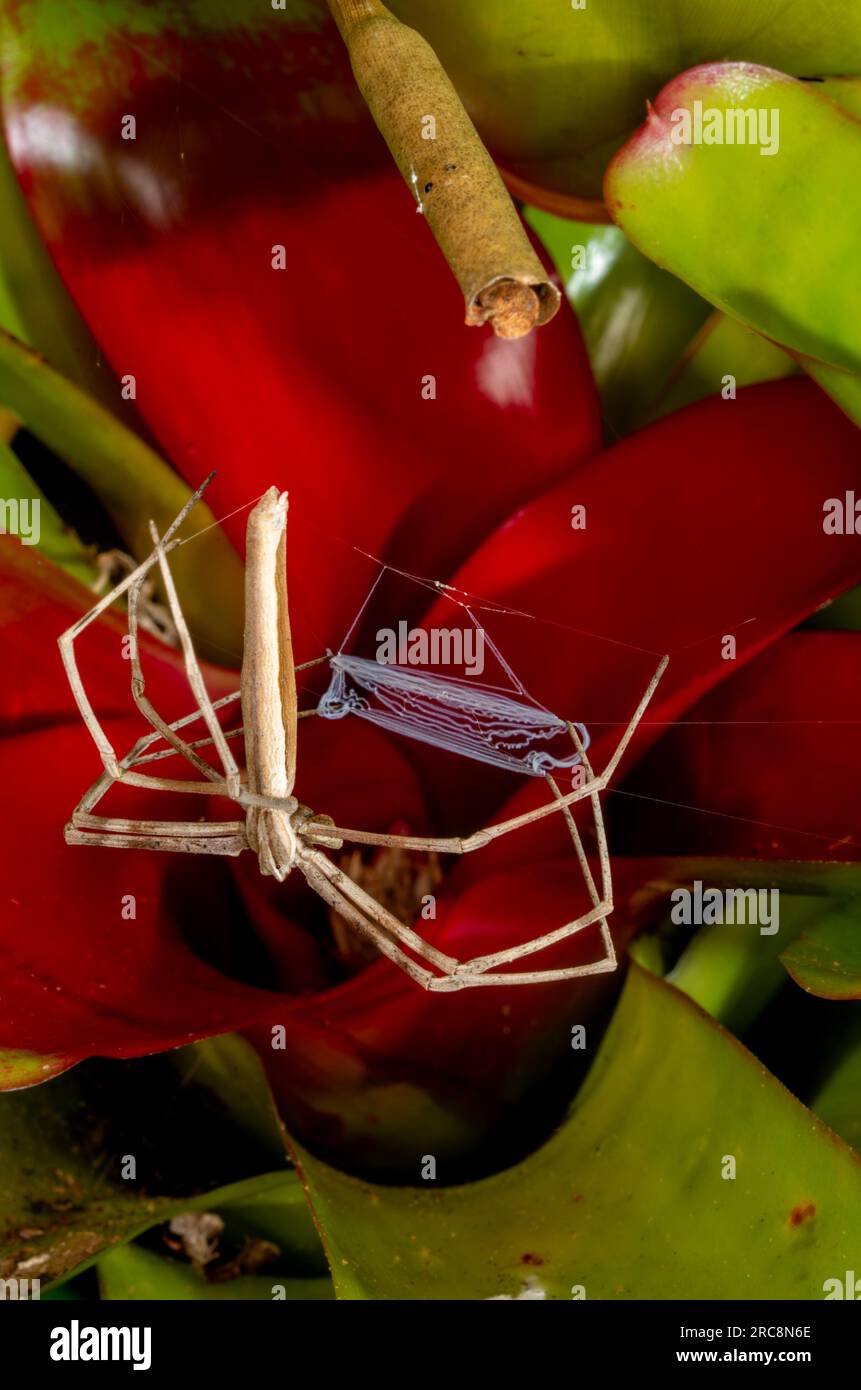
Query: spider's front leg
[(66, 644), (119, 770)]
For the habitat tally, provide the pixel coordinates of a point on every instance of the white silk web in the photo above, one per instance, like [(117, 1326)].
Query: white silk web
[(508, 729)]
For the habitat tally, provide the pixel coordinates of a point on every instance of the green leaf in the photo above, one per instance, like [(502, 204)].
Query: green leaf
[(724, 347), (34, 303), (627, 1198), (842, 386), (636, 319), (279, 1214), (58, 33), (62, 1147), (769, 238), (846, 91), (843, 614), (137, 1274), (554, 89), (826, 959), (733, 971), (20, 1069), (838, 1100), (231, 1070), (55, 540), (135, 485)]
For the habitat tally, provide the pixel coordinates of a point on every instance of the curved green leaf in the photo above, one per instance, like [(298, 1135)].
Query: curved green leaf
[(843, 387), (554, 87), (21, 1069), (229, 1068), (844, 90), (55, 540), (826, 958), (627, 1199), (34, 303), (733, 971), (63, 1194), (637, 320), (279, 1214), (842, 614), (724, 348), (770, 238), (838, 1100)]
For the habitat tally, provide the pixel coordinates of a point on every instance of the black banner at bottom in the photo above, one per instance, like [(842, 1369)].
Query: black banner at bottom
[(235, 1339)]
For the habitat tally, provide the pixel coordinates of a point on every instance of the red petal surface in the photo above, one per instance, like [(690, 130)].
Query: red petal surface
[(769, 764)]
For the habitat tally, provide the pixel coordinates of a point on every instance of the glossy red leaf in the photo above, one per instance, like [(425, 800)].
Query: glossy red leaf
[(768, 764)]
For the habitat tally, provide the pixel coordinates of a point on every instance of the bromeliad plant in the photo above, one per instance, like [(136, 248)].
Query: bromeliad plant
[(263, 296)]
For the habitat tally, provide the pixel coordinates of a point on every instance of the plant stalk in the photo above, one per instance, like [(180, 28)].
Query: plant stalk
[(456, 183)]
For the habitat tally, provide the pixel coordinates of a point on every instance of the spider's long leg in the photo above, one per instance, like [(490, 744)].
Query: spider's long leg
[(470, 973), (477, 968), (225, 837), (598, 817), (349, 890), (67, 641), (192, 669), (172, 836), (137, 756), (323, 885), (480, 964), (147, 709), (602, 906), (465, 845), (67, 651), (585, 867), (469, 978), (635, 719)]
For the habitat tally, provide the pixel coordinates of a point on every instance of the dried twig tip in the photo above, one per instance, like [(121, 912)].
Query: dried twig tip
[(512, 308), (440, 155)]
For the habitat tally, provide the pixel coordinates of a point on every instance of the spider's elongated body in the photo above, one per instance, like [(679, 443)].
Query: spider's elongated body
[(285, 834)]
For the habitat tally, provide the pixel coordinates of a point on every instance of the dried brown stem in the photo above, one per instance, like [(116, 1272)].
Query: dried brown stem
[(441, 156)]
